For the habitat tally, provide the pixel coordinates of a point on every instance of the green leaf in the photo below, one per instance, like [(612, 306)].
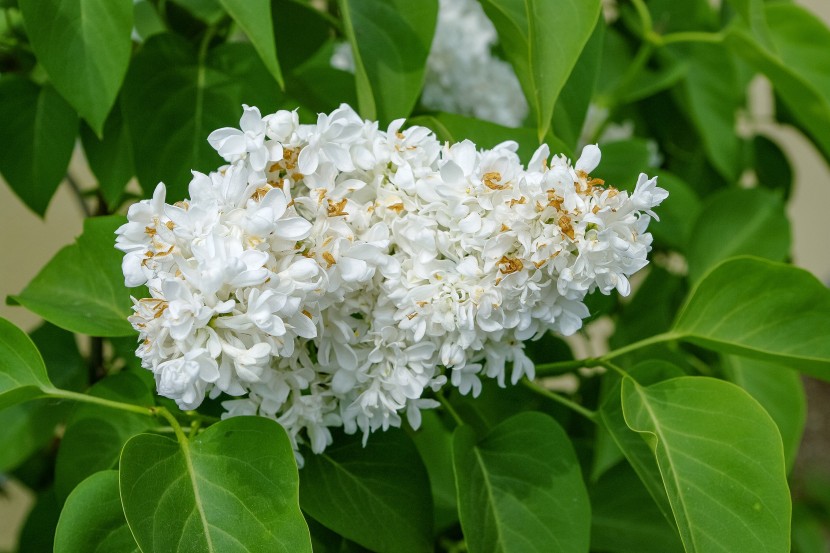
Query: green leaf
[(752, 12), (111, 157), (38, 533), (779, 390), (254, 17), (84, 46), (635, 450), (169, 130), (92, 520), (39, 129), (543, 40), (22, 372), (455, 128), (772, 167), (721, 460), (82, 288), (208, 11), (390, 43), (715, 94), (738, 222), (434, 443), (95, 434), (378, 495), (303, 31), (520, 488), (231, 489), (763, 310), (677, 217), (796, 64), (30, 426), (623, 161), (572, 105), (624, 518)]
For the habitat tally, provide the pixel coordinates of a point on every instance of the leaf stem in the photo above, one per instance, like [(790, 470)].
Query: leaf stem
[(650, 341), (689, 36), (79, 194), (614, 367), (561, 367), (449, 408), (177, 428), (559, 398), (85, 398)]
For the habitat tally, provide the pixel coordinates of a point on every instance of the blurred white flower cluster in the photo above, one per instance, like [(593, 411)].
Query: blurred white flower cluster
[(334, 274), (462, 74)]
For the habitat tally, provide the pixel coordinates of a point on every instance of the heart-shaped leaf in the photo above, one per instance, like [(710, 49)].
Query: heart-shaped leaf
[(738, 222), (231, 489), (22, 372), (542, 39), (92, 520), (378, 495), (520, 488), (254, 17), (85, 47), (39, 128), (82, 288), (761, 309), (390, 43), (95, 434), (779, 390), (721, 461)]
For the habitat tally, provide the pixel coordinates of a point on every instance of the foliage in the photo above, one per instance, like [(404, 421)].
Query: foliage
[(683, 436)]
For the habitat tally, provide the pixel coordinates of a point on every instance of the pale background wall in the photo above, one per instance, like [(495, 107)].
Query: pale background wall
[(28, 242)]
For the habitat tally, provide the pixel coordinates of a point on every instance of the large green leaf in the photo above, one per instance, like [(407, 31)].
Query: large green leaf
[(624, 518), (173, 100), (572, 105), (796, 64), (635, 450), (84, 45), (715, 94), (110, 157), (390, 43), (760, 309), (520, 488), (92, 520), (254, 17), (543, 40), (434, 443), (721, 460), (779, 390), (677, 217), (738, 222), (38, 532), (29, 426), (82, 288), (231, 489), (22, 372), (95, 434), (378, 495), (39, 130), (753, 14)]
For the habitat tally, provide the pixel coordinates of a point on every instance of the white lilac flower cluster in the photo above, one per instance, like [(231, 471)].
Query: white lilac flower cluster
[(334, 274), (462, 74)]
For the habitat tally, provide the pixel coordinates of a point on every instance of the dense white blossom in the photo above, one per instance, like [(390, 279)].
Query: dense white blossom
[(336, 274), (462, 74)]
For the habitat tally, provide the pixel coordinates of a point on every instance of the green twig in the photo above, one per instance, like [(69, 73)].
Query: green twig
[(84, 398), (550, 394), (449, 408), (658, 339), (690, 36), (562, 367)]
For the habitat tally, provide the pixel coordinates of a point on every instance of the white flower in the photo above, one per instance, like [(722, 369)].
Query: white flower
[(335, 274)]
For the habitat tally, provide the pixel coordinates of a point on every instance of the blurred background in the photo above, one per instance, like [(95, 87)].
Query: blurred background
[(30, 242)]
